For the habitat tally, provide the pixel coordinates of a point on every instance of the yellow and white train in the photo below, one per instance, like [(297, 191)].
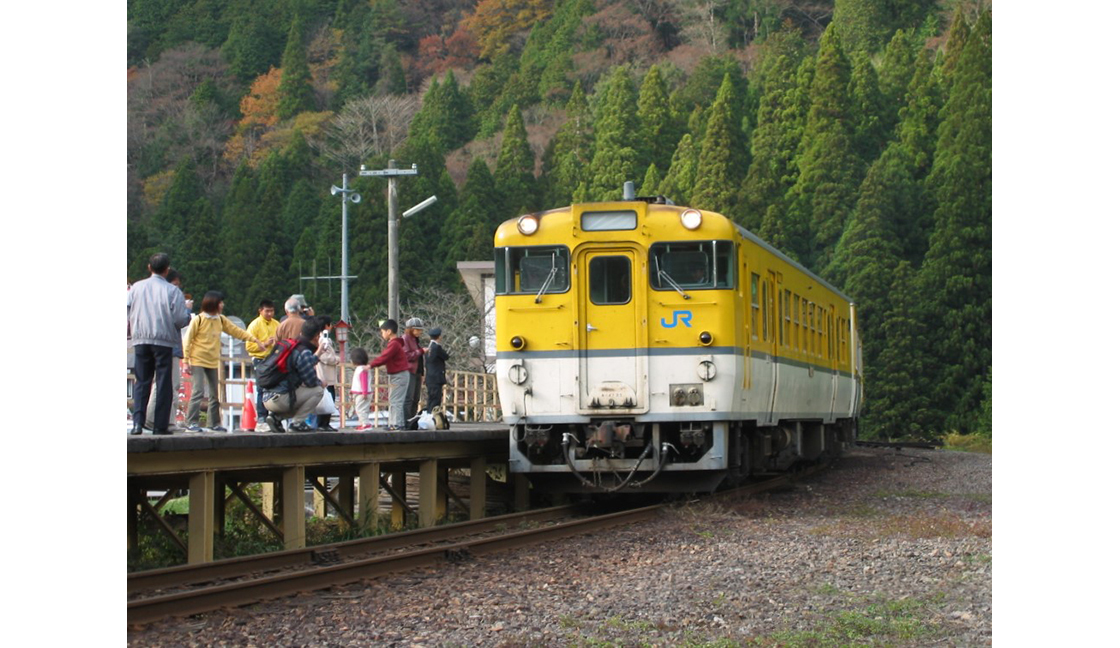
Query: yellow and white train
[(644, 345)]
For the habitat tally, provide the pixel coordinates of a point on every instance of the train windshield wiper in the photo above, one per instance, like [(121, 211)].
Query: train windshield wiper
[(548, 280), (661, 274)]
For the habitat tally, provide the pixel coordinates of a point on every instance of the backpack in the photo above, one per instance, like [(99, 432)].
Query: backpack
[(274, 370), (439, 415)]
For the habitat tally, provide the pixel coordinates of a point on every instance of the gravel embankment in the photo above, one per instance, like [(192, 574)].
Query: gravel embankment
[(886, 548)]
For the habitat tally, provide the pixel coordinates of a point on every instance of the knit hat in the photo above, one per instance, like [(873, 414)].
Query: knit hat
[(435, 332), (415, 322)]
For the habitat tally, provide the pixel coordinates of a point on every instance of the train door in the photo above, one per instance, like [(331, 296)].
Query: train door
[(613, 359), (770, 336)]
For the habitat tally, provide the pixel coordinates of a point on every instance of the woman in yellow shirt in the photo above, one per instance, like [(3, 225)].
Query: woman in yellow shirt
[(202, 354)]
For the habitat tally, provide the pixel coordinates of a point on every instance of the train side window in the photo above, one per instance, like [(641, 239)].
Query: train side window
[(812, 329), (820, 332), (766, 310), (796, 323), (608, 279), (754, 306), (784, 327)]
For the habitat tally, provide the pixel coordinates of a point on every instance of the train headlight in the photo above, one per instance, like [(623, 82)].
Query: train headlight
[(706, 338), (691, 218), (528, 225), (518, 343), (518, 374)]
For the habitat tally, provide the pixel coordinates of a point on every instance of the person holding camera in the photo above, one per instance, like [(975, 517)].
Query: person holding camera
[(297, 311)]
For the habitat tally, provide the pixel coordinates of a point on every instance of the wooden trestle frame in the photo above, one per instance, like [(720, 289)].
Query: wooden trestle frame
[(362, 470)]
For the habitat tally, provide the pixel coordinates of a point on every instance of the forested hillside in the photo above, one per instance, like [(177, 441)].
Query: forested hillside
[(854, 135)]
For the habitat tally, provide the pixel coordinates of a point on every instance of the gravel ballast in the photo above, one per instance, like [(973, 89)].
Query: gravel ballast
[(885, 548)]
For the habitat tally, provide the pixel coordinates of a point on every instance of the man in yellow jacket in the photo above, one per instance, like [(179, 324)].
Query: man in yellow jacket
[(263, 328)]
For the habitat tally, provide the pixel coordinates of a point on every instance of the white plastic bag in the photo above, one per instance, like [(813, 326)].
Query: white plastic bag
[(326, 404), (426, 422)]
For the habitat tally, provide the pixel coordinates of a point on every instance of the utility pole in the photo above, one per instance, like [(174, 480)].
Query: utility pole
[(394, 227), (348, 195)]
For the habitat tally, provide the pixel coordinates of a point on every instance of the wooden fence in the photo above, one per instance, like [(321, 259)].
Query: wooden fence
[(468, 396)]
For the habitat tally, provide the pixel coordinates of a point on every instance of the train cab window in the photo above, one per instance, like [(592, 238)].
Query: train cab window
[(531, 270), (699, 265), (608, 279), (754, 305)]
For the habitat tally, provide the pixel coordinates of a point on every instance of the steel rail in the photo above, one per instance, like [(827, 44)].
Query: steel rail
[(243, 592), (184, 575), (249, 591)]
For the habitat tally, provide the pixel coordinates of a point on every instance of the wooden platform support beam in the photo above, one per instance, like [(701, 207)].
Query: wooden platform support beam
[(369, 478), (295, 525), (433, 503), (478, 488), (146, 507), (345, 489), (200, 523), (400, 495), (318, 503)]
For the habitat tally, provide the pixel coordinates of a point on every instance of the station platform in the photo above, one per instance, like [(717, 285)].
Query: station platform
[(215, 467)]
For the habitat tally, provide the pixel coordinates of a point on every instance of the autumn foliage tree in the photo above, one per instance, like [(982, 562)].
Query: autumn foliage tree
[(494, 22)]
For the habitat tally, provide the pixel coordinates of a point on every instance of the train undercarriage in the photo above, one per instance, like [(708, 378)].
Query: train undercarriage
[(625, 455)]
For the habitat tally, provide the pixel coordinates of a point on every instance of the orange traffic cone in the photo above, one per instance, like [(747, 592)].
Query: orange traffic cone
[(249, 410)]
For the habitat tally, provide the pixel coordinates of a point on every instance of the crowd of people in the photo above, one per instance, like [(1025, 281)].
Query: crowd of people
[(298, 344)]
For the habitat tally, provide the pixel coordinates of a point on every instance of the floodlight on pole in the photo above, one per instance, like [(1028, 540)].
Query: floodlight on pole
[(419, 207), (348, 195)]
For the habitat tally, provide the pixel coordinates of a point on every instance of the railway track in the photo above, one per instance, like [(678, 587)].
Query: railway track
[(234, 582)]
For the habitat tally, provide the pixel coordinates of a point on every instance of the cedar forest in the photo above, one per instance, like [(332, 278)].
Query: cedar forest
[(853, 135)]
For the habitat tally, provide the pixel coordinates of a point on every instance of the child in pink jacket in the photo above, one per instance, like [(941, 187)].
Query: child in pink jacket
[(360, 388)]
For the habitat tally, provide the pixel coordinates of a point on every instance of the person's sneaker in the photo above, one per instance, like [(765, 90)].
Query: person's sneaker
[(262, 426), (194, 428), (274, 425), (326, 428), (149, 427), (363, 428), (301, 426), (218, 428)]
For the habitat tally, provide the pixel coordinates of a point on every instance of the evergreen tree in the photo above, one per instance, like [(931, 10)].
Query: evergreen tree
[(242, 246), (829, 170), (956, 276), (681, 177), (296, 92), (421, 235), (271, 281), (514, 181), (616, 123), (252, 47), (869, 110), (781, 122), (954, 47), (895, 76), (470, 229), (300, 210), (391, 79), (862, 25), (651, 182), (568, 153), (200, 264), (656, 121), (917, 132), (722, 162), (171, 220), (897, 400), (445, 115)]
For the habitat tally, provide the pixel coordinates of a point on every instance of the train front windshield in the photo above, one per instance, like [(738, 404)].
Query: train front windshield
[(692, 265), (531, 270)]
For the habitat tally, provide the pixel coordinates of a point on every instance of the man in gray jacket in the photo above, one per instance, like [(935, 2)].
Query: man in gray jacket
[(156, 312)]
